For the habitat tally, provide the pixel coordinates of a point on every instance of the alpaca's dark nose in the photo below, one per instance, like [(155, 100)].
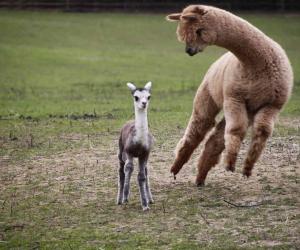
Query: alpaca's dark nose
[(190, 51), (144, 104)]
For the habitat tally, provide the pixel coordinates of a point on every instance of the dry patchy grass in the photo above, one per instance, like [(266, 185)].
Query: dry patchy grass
[(68, 200)]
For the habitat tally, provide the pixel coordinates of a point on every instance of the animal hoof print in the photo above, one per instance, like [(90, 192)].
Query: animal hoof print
[(230, 168), (145, 209)]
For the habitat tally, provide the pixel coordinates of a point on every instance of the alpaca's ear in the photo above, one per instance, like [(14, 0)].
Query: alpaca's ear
[(131, 86), (189, 17), (148, 86), (200, 11), (173, 17)]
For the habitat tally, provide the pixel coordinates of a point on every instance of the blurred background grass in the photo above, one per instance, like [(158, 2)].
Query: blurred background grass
[(60, 67)]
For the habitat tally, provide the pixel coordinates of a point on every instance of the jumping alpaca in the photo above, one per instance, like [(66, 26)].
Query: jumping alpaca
[(251, 83), (136, 141)]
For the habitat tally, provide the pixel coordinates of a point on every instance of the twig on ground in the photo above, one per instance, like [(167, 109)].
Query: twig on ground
[(163, 206), (243, 205), (205, 220)]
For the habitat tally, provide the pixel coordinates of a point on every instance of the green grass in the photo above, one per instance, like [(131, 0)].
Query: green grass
[(63, 91), (71, 65)]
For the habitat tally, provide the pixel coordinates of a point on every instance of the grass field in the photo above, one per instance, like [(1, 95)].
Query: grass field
[(63, 99)]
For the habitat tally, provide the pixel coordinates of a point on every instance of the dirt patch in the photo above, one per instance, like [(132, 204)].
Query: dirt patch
[(260, 211)]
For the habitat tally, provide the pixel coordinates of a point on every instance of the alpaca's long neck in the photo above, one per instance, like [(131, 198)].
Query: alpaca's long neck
[(141, 125), (246, 42)]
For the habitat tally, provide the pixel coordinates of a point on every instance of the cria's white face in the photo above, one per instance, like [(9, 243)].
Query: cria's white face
[(141, 96)]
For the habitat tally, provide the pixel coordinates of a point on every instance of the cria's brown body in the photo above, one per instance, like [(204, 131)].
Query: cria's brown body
[(251, 83)]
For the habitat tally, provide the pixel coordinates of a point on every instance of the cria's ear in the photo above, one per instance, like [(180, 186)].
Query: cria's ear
[(173, 17), (148, 86), (131, 86), (189, 17)]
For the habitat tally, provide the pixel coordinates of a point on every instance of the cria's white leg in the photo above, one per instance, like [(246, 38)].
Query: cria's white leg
[(142, 184), (128, 171), (148, 191), (121, 183)]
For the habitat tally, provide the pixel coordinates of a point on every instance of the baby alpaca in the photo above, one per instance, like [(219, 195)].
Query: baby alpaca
[(251, 83), (136, 141)]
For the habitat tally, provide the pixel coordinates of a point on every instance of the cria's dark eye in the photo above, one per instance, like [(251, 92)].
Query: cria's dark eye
[(136, 98), (149, 97), (199, 32)]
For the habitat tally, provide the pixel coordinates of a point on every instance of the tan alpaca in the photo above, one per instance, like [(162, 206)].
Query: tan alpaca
[(251, 83)]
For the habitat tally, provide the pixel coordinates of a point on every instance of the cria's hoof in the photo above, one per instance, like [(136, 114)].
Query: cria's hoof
[(145, 209), (125, 201), (230, 168), (151, 201)]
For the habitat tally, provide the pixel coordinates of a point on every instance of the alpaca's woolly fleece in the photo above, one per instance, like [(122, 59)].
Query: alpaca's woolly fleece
[(251, 83)]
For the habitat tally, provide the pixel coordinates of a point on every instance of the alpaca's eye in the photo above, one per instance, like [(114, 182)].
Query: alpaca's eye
[(136, 98), (149, 97), (199, 32)]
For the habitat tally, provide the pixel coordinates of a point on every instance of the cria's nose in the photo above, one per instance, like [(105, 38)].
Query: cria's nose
[(144, 104)]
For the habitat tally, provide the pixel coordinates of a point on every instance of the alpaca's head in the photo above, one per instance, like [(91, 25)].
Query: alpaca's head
[(195, 28), (141, 96)]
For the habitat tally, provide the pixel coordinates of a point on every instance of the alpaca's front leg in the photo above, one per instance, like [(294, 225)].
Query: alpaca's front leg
[(142, 183), (128, 171), (201, 121)]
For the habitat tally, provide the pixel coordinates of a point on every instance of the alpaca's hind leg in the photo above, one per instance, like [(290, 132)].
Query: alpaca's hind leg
[(235, 130), (121, 182), (201, 121), (142, 183), (148, 191), (128, 169), (211, 152), (262, 128)]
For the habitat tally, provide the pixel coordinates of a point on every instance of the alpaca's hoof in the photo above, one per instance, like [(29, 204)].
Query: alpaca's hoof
[(230, 168), (246, 173), (125, 201), (146, 208), (151, 201), (174, 170), (200, 184), (119, 202)]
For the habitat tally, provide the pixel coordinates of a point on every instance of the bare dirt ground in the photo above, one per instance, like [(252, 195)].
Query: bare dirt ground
[(262, 211)]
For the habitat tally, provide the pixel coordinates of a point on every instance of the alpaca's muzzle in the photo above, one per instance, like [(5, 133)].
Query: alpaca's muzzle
[(191, 51)]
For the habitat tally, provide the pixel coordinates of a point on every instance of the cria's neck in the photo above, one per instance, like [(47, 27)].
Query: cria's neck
[(141, 125)]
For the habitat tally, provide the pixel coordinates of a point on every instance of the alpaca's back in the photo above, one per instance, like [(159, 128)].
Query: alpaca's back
[(272, 85)]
